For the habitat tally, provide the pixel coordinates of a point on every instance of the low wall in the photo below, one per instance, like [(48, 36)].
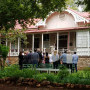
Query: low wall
[(13, 60), (82, 62)]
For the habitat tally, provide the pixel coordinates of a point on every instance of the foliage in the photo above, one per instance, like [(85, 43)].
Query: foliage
[(71, 4), (50, 77), (13, 71), (0, 49), (81, 77), (28, 73), (3, 52), (85, 3), (63, 73), (13, 35), (39, 77), (24, 11)]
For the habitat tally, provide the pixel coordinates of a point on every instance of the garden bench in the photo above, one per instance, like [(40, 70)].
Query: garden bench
[(27, 66), (43, 68)]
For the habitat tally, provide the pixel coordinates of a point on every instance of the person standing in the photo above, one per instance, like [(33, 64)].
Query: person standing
[(40, 56), (74, 61), (47, 58), (69, 60), (35, 58), (25, 61), (63, 58), (20, 60), (29, 56), (50, 58), (43, 58), (55, 58)]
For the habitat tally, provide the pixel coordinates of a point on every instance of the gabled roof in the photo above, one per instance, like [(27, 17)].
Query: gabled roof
[(83, 14), (78, 16)]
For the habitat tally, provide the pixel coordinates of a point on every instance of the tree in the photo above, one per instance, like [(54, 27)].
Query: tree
[(3, 52), (25, 11), (85, 3), (71, 4)]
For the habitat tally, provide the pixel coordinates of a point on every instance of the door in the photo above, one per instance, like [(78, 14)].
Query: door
[(36, 42), (63, 41)]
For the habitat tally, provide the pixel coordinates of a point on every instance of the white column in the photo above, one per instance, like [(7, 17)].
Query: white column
[(10, 50), (57, 41), (88, 43), (42, 42), (6, 41), (68, 40), (18, 45), (33, 43)]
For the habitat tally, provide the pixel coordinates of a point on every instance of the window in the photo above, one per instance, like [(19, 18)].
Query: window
[(14, 46), (46, 37), (46, 40), (82, 39)]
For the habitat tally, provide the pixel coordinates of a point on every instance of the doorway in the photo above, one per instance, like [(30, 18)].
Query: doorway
[(36, 42), (63, 41)]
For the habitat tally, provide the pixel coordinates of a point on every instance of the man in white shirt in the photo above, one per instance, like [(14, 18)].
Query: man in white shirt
[(55, 58), (69, 60)]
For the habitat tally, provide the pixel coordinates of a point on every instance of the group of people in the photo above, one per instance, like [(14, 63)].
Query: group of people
[(30, 58), (36, 58), (69, 60)]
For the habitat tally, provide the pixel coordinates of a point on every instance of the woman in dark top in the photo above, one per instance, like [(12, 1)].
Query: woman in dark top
[(46, 58), (20, 60)]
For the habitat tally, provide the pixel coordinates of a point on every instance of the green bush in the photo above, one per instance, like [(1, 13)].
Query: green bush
[(4, 52), (28, 73), (50, 77), (80, 77), (63, 76), (63, 73), (39, 77), (13, 71)]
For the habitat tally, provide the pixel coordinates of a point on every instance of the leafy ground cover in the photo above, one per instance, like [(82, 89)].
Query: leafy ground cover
[(63, 76)]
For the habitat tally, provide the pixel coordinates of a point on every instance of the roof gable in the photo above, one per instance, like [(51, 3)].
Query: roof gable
[(78, 16)]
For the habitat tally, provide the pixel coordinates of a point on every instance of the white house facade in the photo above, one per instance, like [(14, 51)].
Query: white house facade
[(68, 30)]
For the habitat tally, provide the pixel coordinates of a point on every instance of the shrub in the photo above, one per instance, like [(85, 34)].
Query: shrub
[(4, 52), (39, 77), (63, 73), (28, 73), (13, 71), (51, 77)]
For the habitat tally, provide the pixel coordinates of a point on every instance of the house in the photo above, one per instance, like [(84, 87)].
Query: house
[(68, 30)]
